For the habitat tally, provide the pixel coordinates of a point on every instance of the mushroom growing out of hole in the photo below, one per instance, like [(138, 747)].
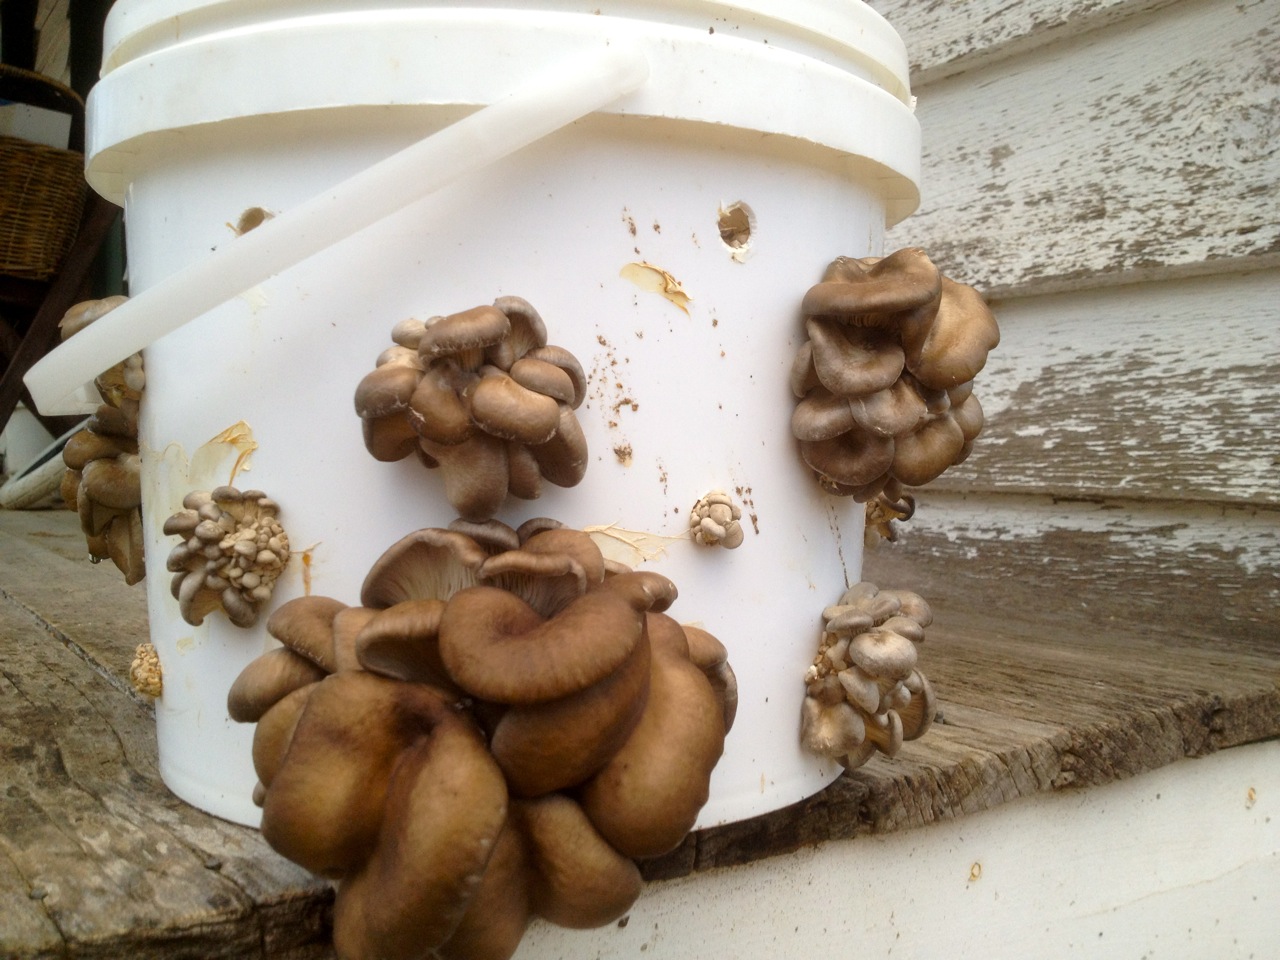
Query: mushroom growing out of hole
[(714, 521), (484, 398), (864, 691), (103, 479), (501, 726), (884, 381), (231, 551), (144, 672)]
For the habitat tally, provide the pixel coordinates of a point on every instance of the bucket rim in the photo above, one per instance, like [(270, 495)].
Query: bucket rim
[(849, 29)]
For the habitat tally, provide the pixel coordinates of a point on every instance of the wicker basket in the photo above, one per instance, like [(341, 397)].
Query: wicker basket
[(42, 191)]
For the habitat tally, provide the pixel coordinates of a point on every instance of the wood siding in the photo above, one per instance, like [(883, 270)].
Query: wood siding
[(1107, 173)]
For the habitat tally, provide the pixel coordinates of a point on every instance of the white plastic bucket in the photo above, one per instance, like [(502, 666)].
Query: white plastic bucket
[(797, 110)]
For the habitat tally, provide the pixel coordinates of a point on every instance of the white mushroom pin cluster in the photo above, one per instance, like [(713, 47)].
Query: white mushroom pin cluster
[(885, 378), (501, 726), (103, 482), (714, 520), (864, 692), (233, 549), (483, 396)]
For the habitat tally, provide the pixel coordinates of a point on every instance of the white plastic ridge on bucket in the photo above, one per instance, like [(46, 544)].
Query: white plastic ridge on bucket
[(769, 137)]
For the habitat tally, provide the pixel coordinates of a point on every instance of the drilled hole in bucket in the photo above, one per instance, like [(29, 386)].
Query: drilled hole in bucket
[(737, 225)]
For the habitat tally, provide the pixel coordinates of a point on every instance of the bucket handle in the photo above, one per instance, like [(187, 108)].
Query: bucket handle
[(567, 91)]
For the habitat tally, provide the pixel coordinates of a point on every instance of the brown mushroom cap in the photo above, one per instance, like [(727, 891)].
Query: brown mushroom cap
[(347, 625), (324, 807), (125, 546), (830, 730), (400, 642), (648, 795), (389, 438), (968, 415), (305, 625), (266, 681), (852, 460), (580, 880), (115, 482), (883, 654), (951, 347), (821, 415), (909, 605), (386, 390), (499, 911), (527, 332), (917, 716), (563, 458), (497, 647), (710, 656), (475, 473), (560, 743), (545, 378), (444, 811), (85, 445), (803, 377), (853, 361), (436, 409), (921, 456), (853, 288), (459, 333), (567, 362), (892, 412), (503, 408), (274, 733)]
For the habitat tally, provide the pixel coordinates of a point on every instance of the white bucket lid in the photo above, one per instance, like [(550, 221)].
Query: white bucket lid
[(828, 72)]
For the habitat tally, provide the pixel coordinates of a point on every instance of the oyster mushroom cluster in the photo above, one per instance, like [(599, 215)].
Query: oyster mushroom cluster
[(864, 692), (885, 378), (482, 396), (714, 521), (232, 551), (103, 482), (496, 732)]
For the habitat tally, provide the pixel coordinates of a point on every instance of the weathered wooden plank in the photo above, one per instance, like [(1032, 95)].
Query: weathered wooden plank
[(944, 37), (45, 569), (1106, 572), (1161, 391), (1051, 673), (116, 863), (1147, 149)]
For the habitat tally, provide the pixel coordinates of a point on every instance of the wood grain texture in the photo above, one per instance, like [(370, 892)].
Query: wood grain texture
[(944, 37), (1150, 149), (1059, 659), (97, 858), (1162, 391)]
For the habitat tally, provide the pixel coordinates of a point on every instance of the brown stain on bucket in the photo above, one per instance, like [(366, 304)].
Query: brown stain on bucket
[(238, 436)]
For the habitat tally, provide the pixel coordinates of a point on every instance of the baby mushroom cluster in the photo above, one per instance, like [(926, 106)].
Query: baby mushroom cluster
[(885, 378), (232, 550), (145, 673), (864, 692), (714, 520), (501, 726), (483, 396), (103, 483)]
